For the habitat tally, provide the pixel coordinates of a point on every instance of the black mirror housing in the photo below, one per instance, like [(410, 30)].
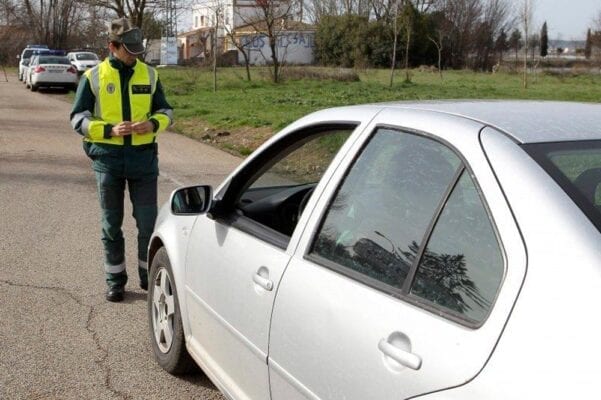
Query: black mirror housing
[(192, 200)]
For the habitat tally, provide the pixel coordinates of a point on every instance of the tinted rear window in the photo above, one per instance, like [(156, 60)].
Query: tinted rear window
[(54, 60), (576, 167)]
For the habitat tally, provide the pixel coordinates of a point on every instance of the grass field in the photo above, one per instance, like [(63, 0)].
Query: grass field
[(241, 114)]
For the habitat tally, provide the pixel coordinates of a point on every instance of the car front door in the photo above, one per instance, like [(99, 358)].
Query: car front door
[(400, 284), (238, 254)]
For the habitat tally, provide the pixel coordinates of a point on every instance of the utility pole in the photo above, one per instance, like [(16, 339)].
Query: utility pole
[(169, 54)]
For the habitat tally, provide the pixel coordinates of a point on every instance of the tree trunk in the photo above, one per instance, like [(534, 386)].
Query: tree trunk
[(407, 77), (215, 59), (394, 42)]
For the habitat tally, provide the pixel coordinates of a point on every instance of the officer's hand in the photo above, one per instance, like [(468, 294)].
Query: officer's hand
[(142, 127), (122, 129)]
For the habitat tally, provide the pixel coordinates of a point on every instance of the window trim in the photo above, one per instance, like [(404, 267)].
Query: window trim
[(391, 290)]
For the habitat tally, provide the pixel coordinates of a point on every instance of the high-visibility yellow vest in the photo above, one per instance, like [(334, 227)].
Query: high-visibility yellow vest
[(106, 85)]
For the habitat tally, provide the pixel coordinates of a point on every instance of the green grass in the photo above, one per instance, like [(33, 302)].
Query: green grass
[(260, 103)]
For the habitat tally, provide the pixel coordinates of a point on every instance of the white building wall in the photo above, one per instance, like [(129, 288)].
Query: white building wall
[(292, 48), (204, 15)]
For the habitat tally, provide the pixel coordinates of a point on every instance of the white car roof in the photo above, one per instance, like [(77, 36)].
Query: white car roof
[(524, 121)]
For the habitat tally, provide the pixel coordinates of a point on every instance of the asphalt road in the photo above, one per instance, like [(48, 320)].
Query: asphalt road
[(59, 337)]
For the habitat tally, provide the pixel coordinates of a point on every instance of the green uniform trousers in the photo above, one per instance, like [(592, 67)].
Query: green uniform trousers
[(117, 167)]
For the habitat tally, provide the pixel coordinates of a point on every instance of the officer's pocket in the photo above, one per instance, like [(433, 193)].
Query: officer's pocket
[(95, 151), (87, 149)]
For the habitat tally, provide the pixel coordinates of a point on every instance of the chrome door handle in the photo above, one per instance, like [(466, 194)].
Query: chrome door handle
[(399, 355), (263, 282)]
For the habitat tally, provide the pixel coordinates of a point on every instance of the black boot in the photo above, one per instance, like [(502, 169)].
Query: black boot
[(143, 274), (115, 293)]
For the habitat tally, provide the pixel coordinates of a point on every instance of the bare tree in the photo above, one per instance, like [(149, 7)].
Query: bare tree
[(135, 10), (395, 34), (50, 20), (526, 13), (218, 13), (269, 18)]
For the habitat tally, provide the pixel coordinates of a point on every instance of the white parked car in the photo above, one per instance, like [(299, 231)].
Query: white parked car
[(439, 250), (25, 57), (83, 60), (51, 71)]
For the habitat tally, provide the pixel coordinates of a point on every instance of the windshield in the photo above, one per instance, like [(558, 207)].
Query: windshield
[(576, 167), (54, 60), (86, 56)]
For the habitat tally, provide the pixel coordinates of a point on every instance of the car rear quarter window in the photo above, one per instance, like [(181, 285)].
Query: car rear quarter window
[(462, 266), (576, 167)]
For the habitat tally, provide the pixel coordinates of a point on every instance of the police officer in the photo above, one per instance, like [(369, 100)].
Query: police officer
[(119, 110)]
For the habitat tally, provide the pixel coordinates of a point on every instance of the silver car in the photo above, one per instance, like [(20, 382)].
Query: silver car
[(438, 250)]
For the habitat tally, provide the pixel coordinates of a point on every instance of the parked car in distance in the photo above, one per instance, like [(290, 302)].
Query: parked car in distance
[(435, 250), (51, 71), (25, 56), (83, 60)]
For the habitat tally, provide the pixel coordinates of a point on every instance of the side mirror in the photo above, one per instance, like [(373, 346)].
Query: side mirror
[(191, 200)]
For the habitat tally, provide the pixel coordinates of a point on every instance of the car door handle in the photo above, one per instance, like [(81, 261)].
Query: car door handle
[(399, 355), (263, 282)]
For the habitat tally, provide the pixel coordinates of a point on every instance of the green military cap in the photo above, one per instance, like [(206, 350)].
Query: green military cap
[(122, 31)]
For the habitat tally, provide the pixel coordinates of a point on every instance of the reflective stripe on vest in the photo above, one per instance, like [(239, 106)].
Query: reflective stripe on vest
[(106, 86)]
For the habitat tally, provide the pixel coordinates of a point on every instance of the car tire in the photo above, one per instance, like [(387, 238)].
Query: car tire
[(165, 323), (34, 88)]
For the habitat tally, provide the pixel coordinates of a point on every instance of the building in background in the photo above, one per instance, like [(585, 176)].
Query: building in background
[(240, 21)]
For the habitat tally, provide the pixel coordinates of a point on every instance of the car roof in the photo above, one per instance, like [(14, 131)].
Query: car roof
[(524, 121)]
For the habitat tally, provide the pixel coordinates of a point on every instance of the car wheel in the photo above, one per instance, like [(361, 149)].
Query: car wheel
[(164, 318), (34, 88)]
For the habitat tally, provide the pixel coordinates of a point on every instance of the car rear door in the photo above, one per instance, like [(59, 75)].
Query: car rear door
[(406, 273)]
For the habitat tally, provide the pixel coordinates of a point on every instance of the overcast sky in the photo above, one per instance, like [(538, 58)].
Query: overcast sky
[(566, 19)]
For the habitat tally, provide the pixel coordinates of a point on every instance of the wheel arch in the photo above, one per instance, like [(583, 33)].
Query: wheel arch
[(155, 244)]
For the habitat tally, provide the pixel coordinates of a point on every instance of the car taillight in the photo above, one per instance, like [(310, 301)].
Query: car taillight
[(72, 70), (39, 69)]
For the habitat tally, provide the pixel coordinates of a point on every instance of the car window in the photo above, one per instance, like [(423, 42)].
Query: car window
[(86, 56), (408, 220), (380, 214), (276, 196), (54, 60), (462, 266)]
